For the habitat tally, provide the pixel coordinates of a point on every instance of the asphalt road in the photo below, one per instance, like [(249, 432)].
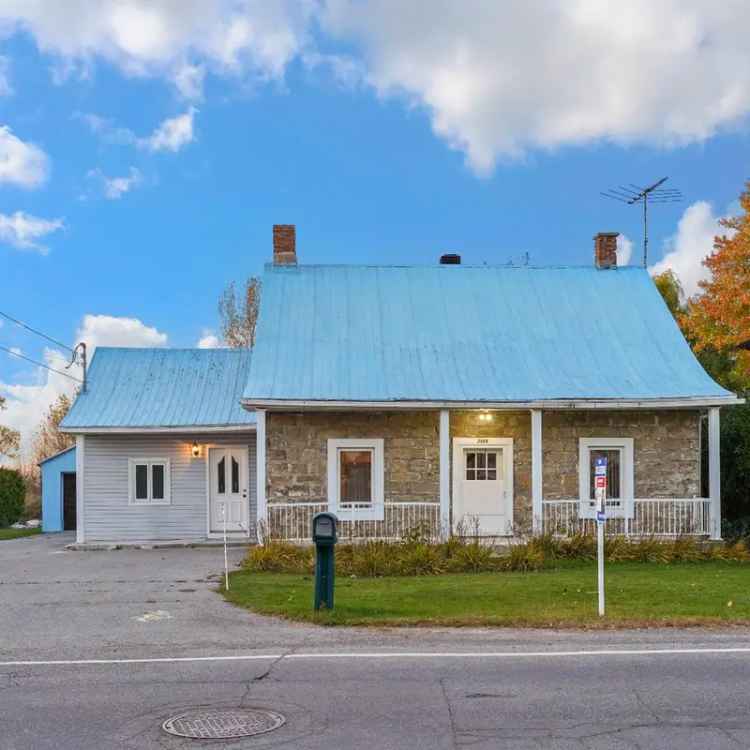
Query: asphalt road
[(337, 688)]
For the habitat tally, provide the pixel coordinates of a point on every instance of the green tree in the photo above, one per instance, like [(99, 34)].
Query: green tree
[(12, 492)]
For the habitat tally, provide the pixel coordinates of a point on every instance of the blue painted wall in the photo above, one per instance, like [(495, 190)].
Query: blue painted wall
[(52, 491)]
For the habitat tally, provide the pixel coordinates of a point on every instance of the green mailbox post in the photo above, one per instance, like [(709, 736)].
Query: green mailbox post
[(324, 538)]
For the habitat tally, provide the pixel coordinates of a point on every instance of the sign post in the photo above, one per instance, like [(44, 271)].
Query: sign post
[(600, 493)]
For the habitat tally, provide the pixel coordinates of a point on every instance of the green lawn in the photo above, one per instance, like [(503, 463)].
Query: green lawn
[(17, 533), (638, 594)]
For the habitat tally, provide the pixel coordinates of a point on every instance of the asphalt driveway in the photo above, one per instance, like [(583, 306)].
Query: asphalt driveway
[(337, 687)]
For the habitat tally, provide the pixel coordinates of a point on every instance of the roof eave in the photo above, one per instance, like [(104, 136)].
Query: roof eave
[(615, 403), (184, 429)]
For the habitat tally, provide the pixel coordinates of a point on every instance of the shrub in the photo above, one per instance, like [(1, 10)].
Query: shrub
[(578, 546), (472, 557), (12, 494), (279, 557), (368, 560), (524, 557), (420, 560)]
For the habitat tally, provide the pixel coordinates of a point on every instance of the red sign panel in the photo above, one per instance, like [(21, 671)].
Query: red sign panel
[(601, 482)]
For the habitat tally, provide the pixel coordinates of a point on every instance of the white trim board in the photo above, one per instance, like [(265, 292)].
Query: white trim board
[(156, 430), (376, 510), (459, 444), (666, 403)]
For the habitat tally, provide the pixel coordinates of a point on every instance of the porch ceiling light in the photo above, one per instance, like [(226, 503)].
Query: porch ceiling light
[(195, 450), (485, 416)]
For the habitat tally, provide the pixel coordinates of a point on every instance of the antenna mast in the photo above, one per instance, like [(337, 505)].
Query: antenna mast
[(632, 194)]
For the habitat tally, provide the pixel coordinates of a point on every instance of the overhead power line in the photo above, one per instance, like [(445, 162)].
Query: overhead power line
[(40, 364), (34, 330)]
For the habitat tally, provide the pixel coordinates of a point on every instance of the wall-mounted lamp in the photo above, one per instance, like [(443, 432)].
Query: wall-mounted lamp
[(195, 450), (485, 416)]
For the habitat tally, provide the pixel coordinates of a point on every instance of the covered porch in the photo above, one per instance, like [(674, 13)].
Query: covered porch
[(546, 452)]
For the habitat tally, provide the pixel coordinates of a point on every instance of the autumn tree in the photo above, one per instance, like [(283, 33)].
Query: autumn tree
[(10, 440), (48, 439), (717, 320), (238, 317)]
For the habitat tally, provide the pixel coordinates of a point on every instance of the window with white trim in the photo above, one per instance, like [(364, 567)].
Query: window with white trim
[(356, 478), (149, 481), (620, 479)]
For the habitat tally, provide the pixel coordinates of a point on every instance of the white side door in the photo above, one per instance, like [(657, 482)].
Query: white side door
[(228, 489), (483, 485)]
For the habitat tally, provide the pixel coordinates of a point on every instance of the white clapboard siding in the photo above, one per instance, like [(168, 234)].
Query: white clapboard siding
[(109, 518)]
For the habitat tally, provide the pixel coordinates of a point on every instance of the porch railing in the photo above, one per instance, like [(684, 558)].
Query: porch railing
[(292, 521), (667, 517)]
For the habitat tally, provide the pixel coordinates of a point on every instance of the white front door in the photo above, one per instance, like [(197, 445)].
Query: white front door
[(483, 486), (228, 489)]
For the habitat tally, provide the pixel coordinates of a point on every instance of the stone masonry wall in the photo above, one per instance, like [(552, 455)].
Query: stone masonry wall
[(297, 457), (666, 449)]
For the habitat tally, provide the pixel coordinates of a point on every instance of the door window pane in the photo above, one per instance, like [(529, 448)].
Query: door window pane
[(157, 482), (355, 471), (482, 465), (141, 482), (613, 456), (221, 475), (235, 475)]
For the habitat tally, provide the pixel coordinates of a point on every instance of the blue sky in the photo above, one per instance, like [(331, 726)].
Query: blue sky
[(155, 156)]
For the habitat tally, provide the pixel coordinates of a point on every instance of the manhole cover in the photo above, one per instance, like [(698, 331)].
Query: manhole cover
[(220, 725)]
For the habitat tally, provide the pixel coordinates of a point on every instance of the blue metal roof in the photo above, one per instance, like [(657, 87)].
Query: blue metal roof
[(163, 388), (468, 334)]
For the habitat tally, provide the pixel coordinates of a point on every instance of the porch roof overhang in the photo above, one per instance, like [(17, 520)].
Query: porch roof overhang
[(556, 404), (158, 430)]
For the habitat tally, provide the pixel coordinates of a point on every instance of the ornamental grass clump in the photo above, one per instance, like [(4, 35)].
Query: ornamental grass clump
[(279, 557)]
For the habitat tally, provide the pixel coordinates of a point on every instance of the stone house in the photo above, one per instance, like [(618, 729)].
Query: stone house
[(443, 397)]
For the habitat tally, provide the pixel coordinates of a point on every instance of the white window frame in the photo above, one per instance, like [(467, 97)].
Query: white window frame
[(375, 511), (150, 462), (586, 508)]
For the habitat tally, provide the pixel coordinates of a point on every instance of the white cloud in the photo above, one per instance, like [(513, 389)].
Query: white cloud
[(501, 79), (172, 134), (108, 330), (5, 88), (106, 129), (208, 340), (115, 187), (189, 80), (27, 403), (21, 164), (624, 250), (22, 230), (255, 38), (685, 250)]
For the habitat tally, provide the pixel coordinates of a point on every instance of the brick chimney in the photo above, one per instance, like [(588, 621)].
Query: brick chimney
[(284, 245), (605, 249)]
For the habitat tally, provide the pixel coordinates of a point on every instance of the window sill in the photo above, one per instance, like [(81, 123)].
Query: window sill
[(148, 504)]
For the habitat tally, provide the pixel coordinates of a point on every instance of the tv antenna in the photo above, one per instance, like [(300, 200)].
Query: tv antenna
[(632, 194)]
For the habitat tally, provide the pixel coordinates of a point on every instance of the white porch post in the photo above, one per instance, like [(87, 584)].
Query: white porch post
[(445, 473), (536, 471), (260, 473), (714, 472), (80, 497)]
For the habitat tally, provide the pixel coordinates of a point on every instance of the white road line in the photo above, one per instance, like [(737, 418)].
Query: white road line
[(384, 655)]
